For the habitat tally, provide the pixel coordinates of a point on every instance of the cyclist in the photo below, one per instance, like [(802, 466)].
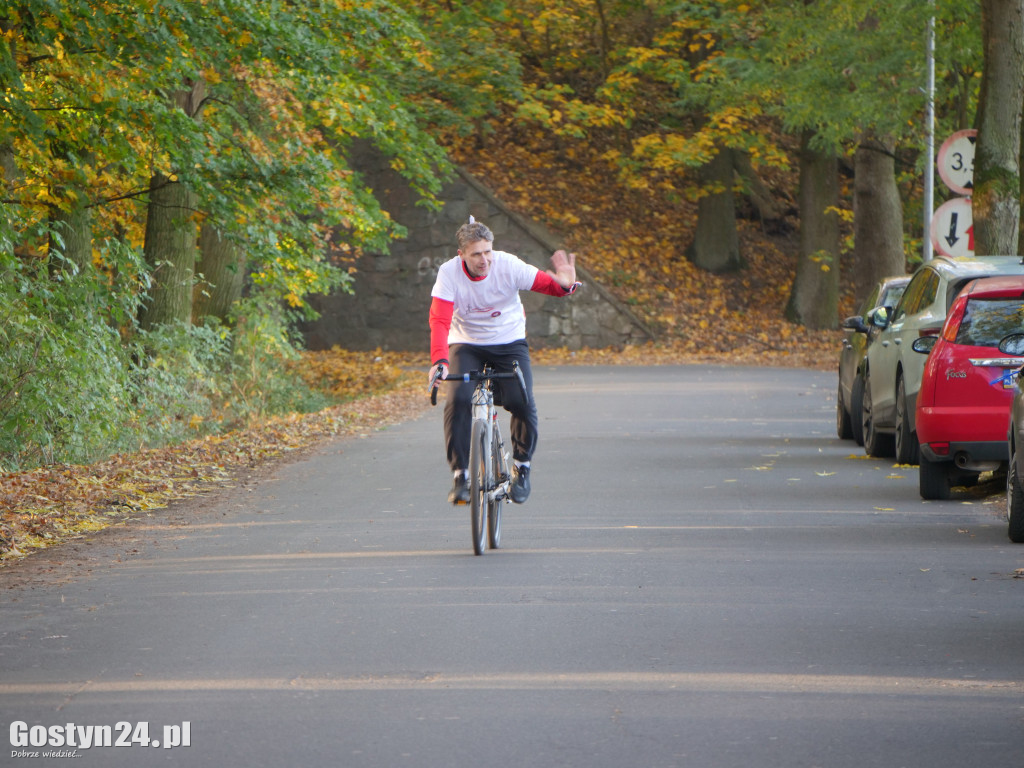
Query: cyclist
[(476, 317)]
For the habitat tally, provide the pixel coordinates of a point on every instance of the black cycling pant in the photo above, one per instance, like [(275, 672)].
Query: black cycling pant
[(458, 411)]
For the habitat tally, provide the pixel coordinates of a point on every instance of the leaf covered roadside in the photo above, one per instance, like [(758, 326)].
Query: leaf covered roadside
[(51, 504)]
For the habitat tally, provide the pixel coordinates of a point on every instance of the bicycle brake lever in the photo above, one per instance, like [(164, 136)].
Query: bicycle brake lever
[(433, 387), (519, 377)]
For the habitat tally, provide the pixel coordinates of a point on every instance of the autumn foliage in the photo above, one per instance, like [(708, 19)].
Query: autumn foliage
[(632, 239)]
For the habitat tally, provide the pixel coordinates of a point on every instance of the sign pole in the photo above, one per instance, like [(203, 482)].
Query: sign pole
[(929, 166)]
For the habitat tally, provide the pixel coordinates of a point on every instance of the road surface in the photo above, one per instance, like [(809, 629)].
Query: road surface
[(703, 576)]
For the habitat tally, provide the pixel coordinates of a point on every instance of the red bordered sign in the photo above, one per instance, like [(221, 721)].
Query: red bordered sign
[(956, 161)]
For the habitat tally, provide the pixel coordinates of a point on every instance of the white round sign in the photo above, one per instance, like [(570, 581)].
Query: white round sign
[(953, 228), (956, 161)]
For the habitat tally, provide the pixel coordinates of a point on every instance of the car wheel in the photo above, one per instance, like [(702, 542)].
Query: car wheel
[(875, 443), (856, 407), (934, 479), (907, 449), (843, 427), (1014, 503)]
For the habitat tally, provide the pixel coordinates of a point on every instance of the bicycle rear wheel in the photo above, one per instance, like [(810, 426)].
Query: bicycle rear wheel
[(479, 461), (494, 505)]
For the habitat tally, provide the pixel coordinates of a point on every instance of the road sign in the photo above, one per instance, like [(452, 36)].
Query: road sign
[(953, 228), (956, 161)]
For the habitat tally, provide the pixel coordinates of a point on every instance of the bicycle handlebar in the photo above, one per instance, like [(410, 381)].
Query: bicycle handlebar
[(486, 374)]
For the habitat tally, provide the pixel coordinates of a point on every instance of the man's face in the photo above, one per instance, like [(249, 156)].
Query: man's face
[(477, 257)]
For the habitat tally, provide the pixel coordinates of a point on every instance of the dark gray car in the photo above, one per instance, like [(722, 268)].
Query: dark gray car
[(859, 334)]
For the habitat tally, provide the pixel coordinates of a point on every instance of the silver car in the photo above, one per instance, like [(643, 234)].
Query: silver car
[(892, 375)]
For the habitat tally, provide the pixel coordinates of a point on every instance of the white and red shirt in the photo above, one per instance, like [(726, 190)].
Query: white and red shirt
[(483, 310)]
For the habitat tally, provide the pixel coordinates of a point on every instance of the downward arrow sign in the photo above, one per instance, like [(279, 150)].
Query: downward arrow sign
[(951, 238)]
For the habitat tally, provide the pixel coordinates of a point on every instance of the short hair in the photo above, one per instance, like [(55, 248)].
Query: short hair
[(472, 231)]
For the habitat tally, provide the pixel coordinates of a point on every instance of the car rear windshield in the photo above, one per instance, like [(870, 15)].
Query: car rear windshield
[(986, 321)]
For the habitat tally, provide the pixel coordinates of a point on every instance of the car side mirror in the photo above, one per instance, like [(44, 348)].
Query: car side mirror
[(924, 344), (880, 317), (856, 324), (1012, 344)]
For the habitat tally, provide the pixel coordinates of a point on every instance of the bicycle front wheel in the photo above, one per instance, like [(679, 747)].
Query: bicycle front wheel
[(494, 505), (479, 461)]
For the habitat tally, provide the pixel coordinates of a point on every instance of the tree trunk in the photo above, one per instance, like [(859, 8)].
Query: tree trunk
[(9, 179), (221, 275), (10, 176), (757, 191), (170, 251), (877, 216), (75, 229), (814, 298), (170, 247), (716, 245), (996, 201)]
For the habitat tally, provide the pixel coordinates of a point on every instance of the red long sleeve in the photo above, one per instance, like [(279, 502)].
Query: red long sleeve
[(440, 321), (545, 283)]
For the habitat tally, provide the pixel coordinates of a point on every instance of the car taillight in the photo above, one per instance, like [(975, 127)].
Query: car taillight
[(956, 316), (940, 449)]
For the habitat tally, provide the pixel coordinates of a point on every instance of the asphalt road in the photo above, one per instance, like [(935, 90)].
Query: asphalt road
[(704, 576)]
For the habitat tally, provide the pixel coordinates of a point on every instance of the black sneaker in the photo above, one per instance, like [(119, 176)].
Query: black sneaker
[(459, 494), (520, 490)]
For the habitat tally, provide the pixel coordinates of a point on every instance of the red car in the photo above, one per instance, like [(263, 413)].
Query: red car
[(963, 407)]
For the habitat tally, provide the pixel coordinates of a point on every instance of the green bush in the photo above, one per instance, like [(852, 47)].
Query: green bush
[(261, 381), (79, 381), (64, 384), (180, 377)]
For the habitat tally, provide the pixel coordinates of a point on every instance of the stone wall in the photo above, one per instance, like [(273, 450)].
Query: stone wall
[(391, 298)]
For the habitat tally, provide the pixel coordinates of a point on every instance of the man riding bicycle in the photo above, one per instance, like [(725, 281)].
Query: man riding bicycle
[(477, 318)]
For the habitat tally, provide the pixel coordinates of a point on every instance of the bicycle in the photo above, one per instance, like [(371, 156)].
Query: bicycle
[(490, 475)]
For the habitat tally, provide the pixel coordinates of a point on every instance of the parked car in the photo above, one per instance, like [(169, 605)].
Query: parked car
[(851, 357), (892, 373), (963, 406), (1014, 345)]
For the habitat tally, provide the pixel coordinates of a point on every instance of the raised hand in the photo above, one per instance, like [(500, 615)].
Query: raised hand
[(563, 268)]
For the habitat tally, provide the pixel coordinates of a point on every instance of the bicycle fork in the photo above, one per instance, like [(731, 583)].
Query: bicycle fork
[(501, 460)]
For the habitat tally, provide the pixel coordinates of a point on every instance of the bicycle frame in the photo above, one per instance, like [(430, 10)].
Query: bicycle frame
[(484, 410)]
